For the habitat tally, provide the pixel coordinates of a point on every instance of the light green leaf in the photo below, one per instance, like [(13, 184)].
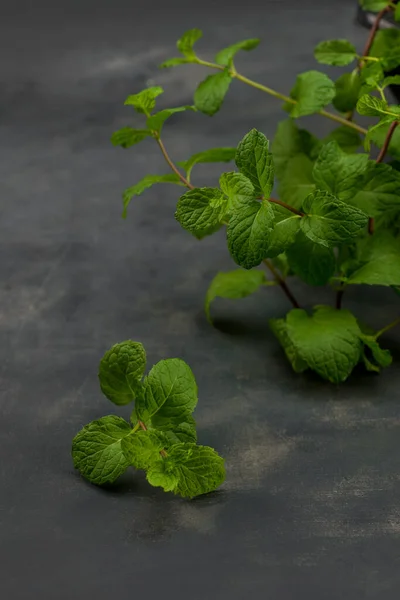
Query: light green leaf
[(211, 92), (379, 261), (186, 42), (156, 122), (382, 357), (97, 452), (348, 88), (397, 12), (385, 41), (169, 393), (374, 5), (380, 191), (392, 80), (338, 172), (330, 222), (287, 226), (254, 160), (208, 156), (297, 182), (174, 62), (175, 434), (313, 90), (372, 74), (121, 370), (313, 263), (279, 329), (142, 449), (328, 341), (370, 106), (348, 139), (127, 136), (288, 142), (338, 53), (202, 209), (144, 101), (237, 187), (188, 471), (226, 56), (234, 284), (249, 232), (144, 184)]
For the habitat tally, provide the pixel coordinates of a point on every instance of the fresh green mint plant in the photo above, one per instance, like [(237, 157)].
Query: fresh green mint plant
[(161, 437), (337, 219)]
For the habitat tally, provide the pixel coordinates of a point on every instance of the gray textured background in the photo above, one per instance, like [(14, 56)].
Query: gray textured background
[(310, 508)]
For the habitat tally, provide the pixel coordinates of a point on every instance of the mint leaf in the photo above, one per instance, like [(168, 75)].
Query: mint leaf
[(338, 53), (144, 101), (379, 262), (188, 471), (391, 60), (255, 161), (121, 370), (380, 191), (174, 62), (392, 80), (225, 57), (347, 139), (385, 41), (370, 106), (186, 42), (397, 12), (142, 449), (297, 182), (249, 231), (237, 187), (330, 222), (156, 121), (372, 74), (348, 88), (97, 452), (202, 209), (374, 5), (234, 284), (127, 136), (169, 393), (175, 434), (338, 172), (210, 94), (208, 156), (328, 341), (289, 141), (287, 226), (279, 329), (313, 90), (378, 136), (144, 184), (383, 358), (313, 263)]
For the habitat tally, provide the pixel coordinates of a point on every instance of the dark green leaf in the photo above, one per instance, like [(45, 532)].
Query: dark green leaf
[(249, 232), (211, 92), (348, 88), (279, 329), (379, 262), (297, 182), (382, 357), (380, 191), (313, 90), (254, 160), (121, 370), (347, 139), (290, 141), (287, 226), (201, 210), (313, 263)]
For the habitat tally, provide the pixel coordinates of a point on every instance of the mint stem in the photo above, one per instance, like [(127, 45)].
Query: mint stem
[(287, 206), (143, 426), (388, 327), (171, 164), (374, 31), (281, 282)]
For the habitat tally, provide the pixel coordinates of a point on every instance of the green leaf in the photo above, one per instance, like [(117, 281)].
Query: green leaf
[(382, 357), (186, 42), (372, 74), (330, 222), (338, 53), (169, 393), (175, 434), (174, 62), (328, 341), (188, 471), (237, 187), (393, 80), (379, 262), (370, 106), (374, 5), (144, 101), (254, 160), (121, 370), (144, 184), (385, 41), (279, 329), (249, 231), (391, 60), (142, 449), (127, 136), (201, 209), (397, 12), (287, 226), (97, 452), (297, 182), (380, 191), (234, 284), (156, 122), (290, 141), (225, 57), (208, 156), (348, 88), (348, 139), (211, 92), (313, 90), (378, 136), (338, 172), (313, 263)]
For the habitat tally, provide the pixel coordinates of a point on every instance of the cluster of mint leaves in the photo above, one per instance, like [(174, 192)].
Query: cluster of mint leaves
[(336, 220), (161, 437)]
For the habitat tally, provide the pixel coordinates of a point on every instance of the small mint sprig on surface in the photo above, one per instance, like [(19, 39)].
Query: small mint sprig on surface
[(161, 438)]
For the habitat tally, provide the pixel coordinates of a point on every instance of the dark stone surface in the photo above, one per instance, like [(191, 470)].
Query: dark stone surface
[(310, 508)]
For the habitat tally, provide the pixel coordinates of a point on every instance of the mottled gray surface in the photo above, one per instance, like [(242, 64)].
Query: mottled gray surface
[(310, 508)]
